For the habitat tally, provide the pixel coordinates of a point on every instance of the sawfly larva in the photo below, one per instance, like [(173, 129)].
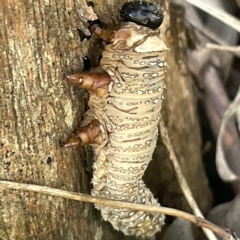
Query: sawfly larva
[(122, 122)]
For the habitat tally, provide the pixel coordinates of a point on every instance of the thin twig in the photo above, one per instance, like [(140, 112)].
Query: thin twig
[(223, 48), (205, 31), (118, 204), (224, 171), (181, 179), (217, 13)]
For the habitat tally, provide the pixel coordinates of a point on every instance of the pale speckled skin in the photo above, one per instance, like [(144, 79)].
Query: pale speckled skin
[(129, 117)]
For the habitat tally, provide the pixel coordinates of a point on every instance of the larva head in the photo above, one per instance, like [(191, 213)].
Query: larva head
[(142, 13)]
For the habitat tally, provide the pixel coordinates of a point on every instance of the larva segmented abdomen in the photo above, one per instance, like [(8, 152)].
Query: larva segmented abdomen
[(129, 116)]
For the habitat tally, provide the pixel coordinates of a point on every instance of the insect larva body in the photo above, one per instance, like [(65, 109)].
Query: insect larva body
[(130, 117), (129, 113)]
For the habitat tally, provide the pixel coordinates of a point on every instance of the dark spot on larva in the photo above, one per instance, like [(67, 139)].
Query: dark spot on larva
[(148, 57)]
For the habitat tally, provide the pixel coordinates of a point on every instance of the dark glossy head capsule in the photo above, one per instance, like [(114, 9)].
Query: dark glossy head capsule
[(143, 13)]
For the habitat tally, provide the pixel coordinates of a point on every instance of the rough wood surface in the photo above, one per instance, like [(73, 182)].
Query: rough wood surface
[(40, 44)]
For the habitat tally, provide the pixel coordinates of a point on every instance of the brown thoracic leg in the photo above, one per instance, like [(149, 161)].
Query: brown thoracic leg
[(88, 134), (105, 35), (94, 82)]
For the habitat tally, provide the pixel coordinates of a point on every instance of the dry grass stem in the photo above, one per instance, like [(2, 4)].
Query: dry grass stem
[(217, 13), (224, 171), (181, 179), (226, 235), (223, 48), (206, 32)]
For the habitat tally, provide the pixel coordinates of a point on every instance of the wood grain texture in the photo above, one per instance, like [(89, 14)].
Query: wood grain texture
[(39, 45)]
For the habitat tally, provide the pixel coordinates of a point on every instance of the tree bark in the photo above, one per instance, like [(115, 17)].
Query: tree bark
[(40, 45)]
